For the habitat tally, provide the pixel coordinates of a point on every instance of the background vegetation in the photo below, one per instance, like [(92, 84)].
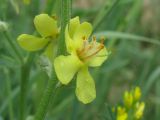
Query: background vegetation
[(132, 32)]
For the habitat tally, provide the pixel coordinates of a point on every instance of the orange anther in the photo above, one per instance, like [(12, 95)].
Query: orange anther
[(102, 40), (94, 38)]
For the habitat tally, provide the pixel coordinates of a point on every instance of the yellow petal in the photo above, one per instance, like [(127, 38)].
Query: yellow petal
[(69, 42), (85, 89), (69, 32), (84, 30), (46, 25), (50, 51), (99, 58), (31, 43), (66, 67), (73, 25)]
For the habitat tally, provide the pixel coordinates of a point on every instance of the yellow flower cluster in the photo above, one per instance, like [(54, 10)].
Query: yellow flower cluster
[(133, 108)]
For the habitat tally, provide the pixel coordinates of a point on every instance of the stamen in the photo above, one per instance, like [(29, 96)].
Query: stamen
[(90, 49), (101, 46), (102, 40), (84, 38), (94, 38), (82, 52), (85, 43), (94, 53)]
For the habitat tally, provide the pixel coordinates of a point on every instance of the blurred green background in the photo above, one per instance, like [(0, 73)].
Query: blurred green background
[(132, 32)]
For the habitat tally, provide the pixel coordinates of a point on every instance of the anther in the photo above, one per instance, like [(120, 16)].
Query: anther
[(84, 37), (102, 40), (94, 38), (101, 46)]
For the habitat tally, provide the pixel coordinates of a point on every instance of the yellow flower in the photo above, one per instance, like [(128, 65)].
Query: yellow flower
[(121, 113), (139, 110), (47, 28), (128, 99), (83, 53), (137, 93)]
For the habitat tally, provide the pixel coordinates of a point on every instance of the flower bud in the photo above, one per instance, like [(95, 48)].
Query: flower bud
[(137, 93), (121, 113), (128, 99), (139, 110)]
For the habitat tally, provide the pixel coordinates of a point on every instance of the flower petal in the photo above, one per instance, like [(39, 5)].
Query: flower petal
[(69, 32), (85, 89), (46, 25), (66, 67), (31, 43), (69, 42), (83, 31), (50, 51), (99, 58), (73, 25)]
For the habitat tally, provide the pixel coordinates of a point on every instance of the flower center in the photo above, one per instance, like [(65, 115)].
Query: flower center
[(89, 49)]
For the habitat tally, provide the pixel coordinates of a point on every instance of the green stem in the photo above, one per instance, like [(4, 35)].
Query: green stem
[(14, 47), (24, 78), (50, 6), (65, 17), (52, 87), (42, 109), (8, 86), (25, 72)]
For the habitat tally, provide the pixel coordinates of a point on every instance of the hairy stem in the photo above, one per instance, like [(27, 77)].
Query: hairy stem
[(65, 17), (50, 90)]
